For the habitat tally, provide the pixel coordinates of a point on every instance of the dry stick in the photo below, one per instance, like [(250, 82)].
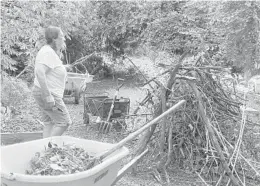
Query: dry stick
[(249, 163), (237, 146), (167, 71), (143, 102), (202, 179), (244, 176), (169, 145), (81, 59), (211, 108), (172, 68), (205, 67), (257, 173), (213, 137), (174, 73), (162, 137), (139, 71), (147, 136), (166, 175), (27, 67), (241, 132)]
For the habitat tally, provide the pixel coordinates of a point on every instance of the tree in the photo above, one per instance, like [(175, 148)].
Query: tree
[(23, 23), (234, 30), (239, 23)]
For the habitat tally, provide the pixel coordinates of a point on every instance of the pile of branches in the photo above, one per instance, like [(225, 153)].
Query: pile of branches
[(206, 135)]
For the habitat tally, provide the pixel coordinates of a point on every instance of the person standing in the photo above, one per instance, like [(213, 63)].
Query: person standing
[(49, 84)]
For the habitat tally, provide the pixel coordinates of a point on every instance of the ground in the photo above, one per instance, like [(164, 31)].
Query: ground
[(27, 121), (78, 129)]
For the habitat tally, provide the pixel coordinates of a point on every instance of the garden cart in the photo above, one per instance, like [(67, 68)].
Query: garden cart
[(76, 84), (109, 111)]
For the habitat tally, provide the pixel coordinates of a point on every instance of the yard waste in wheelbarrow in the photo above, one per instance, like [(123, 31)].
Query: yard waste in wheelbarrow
[(59, 160), (15, 159)]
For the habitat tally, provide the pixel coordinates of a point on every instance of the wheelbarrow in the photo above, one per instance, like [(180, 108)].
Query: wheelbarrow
[(76, 84), (106, 173)]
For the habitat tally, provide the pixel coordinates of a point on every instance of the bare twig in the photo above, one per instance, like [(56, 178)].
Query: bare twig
[(202, 179), (212, 135), (163, 128), (169, 145)]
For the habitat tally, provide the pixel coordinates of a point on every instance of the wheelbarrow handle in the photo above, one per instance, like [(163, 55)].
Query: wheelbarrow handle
[(139, 131)]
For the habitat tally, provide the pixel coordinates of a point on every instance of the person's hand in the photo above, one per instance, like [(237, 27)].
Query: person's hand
[(49, 102)]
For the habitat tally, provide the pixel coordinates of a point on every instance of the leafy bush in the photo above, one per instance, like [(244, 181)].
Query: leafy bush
[(14, 92)]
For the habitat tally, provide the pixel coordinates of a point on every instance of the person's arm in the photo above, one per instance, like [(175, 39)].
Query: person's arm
[(40, 72)]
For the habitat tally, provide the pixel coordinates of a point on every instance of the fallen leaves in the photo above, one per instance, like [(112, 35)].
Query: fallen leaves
[(60, 160)]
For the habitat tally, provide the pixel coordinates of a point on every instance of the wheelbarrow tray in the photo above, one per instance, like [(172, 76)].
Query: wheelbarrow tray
[(76, 84), (15, 159), (75, 80), (19, 137)]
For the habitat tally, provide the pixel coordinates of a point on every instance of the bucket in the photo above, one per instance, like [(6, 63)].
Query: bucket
[(15, 159)]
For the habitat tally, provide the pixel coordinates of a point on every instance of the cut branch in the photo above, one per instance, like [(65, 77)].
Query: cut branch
[(146, 137), (212, 136)]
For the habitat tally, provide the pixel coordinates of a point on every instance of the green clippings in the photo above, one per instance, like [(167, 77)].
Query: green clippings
[(63, 160)]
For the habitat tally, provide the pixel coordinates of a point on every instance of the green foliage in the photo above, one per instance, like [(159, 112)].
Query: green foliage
[(14, 92), (110, 26), (234, 29), (239, 22), (226, 31), (22, 24)]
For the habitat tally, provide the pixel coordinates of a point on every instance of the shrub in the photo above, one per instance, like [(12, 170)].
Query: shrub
[(14, 92)]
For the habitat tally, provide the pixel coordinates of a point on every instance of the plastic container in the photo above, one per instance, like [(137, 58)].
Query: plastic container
[(76, 84), (75, 80), (15, 159)]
